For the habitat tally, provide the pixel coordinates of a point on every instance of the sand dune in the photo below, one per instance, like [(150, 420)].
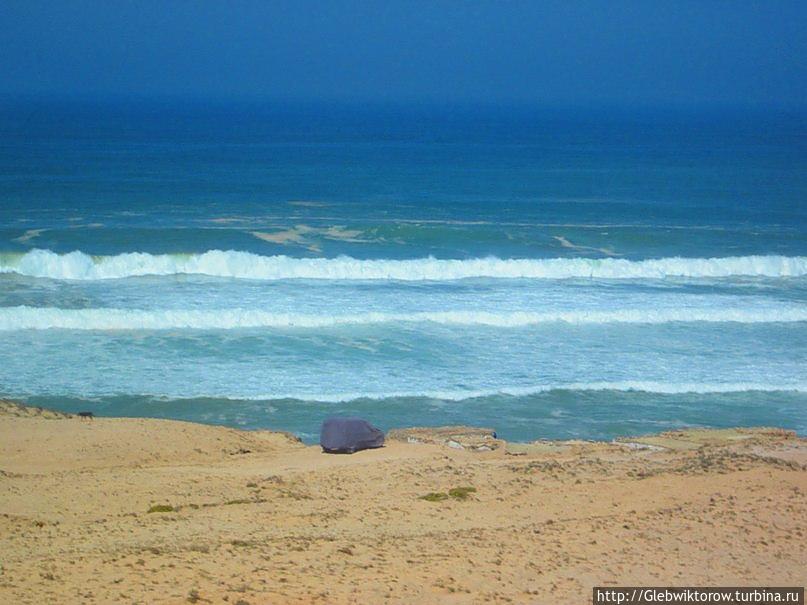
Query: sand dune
[(257, 517)]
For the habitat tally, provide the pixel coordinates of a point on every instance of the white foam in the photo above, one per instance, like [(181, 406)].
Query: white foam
[(43, 318), (245, 265), (661, 388)]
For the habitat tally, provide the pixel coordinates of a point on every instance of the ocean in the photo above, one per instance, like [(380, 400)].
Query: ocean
[(549, 273)]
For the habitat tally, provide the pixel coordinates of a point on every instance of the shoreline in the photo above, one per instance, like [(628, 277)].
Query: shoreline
[(310, 434), (164, 511)]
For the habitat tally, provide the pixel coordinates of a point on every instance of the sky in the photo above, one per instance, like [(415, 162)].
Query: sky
[(615, 52)]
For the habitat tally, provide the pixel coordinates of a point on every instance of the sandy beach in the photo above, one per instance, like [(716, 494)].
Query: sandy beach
[(257, 517)]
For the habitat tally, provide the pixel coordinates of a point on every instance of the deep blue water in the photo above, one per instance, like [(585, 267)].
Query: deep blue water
[(547, 272)]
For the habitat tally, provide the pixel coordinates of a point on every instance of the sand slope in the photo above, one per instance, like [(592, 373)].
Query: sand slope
[(260, 518)]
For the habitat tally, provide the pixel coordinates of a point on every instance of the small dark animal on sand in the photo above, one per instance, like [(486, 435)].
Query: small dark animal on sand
[(87, 415)]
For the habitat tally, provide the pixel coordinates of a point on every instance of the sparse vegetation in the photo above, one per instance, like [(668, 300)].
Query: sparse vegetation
[(161, 508), (435, 497), (458, 493), (461, 493), (294, 495)]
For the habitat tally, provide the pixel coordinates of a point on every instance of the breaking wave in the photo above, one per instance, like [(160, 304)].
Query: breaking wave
[(245, 265), (36, 318), (660, 388)]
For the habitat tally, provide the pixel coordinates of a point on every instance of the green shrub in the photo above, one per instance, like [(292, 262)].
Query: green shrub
[(161, 508), (461, 493), (434, 497)]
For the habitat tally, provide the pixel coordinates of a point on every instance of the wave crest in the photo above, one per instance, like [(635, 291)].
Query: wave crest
[(245, 265), (37, 318), (647, 387), (661, 388)]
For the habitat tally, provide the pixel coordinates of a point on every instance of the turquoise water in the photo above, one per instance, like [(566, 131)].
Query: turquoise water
[(546, 273)]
